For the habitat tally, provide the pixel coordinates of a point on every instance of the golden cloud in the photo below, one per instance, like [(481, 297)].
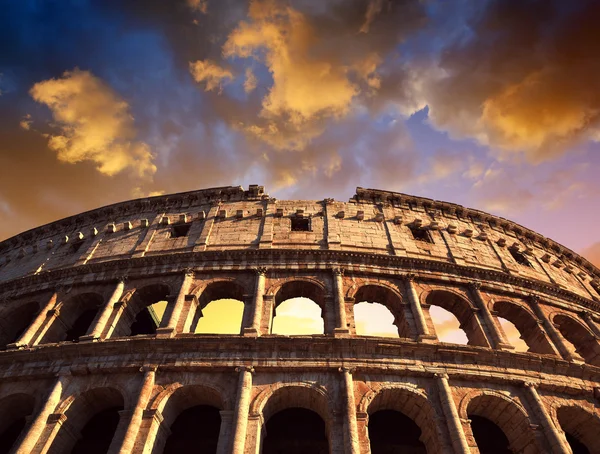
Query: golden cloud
[(95, 125), (210, 73)]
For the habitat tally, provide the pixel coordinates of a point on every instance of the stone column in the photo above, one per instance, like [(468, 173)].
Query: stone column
[(553, 333), (415, 307), (171, 329), (257, 303), (242, 408), (457, 434), (224, 431), (496, 340), (362, 426), (589, 319), (350, 426), (136, 415), (95, 331), (39, 423), (27, 337), (556, 440), (340, 302)]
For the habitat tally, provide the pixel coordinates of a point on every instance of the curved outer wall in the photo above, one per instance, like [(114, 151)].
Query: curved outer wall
[(239, 243)]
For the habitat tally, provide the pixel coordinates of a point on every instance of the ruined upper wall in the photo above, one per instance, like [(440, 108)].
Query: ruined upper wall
[(231, 218)]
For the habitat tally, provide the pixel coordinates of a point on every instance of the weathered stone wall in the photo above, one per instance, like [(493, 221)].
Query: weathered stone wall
[(240, 244)]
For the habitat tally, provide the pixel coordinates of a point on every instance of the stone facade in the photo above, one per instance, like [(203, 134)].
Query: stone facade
[(404, 252)]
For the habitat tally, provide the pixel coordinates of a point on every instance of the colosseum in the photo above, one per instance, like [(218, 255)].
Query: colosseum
[(90, 366)]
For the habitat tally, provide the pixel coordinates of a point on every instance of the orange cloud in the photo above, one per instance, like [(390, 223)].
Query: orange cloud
[(210, 73), (94, 123)]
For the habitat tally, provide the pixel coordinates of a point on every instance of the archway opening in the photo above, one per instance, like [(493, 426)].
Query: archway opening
[(388, 321), (580, 337), (74, 318), (81, 325), (220, 309), (581, 429), (374, 319), (447, 326), (295, 431), (489, 437), (513, 336), (14, 411), (391, 431), (222, 316), (196, 429), (298, 316), (13, 325), (462, 310), (149, 305), (98, 432)]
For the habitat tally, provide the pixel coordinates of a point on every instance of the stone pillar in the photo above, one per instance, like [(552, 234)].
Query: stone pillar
[(362, 426), (340, 302), (27, 338), (457, 434), (558, 443), (95, 331), (589, 319), (496, 339), (351, 430), (224, 431), (242, 408), (553, 333), (136, 415), (153, 433), (39, 423), (257, 303), (417, 310), (171, 329)]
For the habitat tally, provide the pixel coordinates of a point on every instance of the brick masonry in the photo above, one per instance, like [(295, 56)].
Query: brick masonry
[(405, 252)]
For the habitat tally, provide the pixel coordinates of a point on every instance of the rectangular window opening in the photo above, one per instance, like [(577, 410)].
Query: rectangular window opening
[(180, 230), (520, 258), (76, 246), (421, 234), (300, 224)]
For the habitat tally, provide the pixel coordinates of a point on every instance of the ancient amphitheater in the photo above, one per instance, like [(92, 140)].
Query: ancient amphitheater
[(87, 366)]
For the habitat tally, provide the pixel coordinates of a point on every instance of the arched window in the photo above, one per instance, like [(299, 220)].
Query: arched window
[(527, 328), (295, 431), (447, 326), (192, 414), (500, 426), (463, 311), (14, 324), (383, 317), (14, 411), (196, 429), (144, 311), (220, 309), (512, 334), (299, 309), (581, 429), (391, 431), (75, 316), (580, 337), (402, 421), (90, 424)]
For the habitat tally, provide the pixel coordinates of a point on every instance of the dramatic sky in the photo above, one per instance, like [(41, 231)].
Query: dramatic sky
[(493, 104)]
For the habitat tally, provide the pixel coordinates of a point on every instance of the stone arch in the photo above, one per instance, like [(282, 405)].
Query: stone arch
[(411, 402), (15, 321), (304, 288), (139, 316), (527, 325), (217, 289), (506, 413), (14, 411), (73, 317), (389, 297), (159, 402), (579, 335), (286, 396), (80, 409), (580, 423), (462, 309)]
